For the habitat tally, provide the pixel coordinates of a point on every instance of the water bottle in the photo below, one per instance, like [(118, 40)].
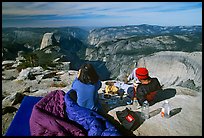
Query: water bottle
[(145, 110), (165, 112), (135, 102)]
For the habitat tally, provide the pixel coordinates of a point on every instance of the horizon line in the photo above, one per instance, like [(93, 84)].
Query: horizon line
[(96, 26)]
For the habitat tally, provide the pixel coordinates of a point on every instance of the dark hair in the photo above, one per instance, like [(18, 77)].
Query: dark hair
[(88, 74)]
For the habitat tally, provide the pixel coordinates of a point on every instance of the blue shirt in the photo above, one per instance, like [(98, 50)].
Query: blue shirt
[(87, 94)]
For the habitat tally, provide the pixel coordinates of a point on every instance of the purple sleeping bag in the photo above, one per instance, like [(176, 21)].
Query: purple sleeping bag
[(48, 118)]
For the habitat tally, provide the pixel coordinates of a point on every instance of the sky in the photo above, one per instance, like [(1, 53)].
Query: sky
[(59, 14)]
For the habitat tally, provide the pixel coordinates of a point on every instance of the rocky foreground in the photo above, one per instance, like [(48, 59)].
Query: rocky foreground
[(183, 77)]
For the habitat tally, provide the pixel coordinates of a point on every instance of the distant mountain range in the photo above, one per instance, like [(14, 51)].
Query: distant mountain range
[(123, 32), (106, 47)]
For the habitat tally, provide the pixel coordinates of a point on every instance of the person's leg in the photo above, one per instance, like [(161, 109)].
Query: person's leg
[(130, 92), (121, 93)]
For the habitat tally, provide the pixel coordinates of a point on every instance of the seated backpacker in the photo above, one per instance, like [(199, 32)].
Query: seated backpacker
[(148, 91), (148, 88)]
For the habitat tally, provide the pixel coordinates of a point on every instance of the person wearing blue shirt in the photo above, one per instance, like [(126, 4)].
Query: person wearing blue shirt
[(86, 86)]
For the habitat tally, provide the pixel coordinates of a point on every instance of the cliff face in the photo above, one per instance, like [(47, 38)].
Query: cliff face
[(175, 68), (15, 39), (48, 40)]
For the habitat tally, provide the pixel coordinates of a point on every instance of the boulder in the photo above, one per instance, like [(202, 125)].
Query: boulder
[(12, 99), (24, 74), (8, 109), (7, 64)]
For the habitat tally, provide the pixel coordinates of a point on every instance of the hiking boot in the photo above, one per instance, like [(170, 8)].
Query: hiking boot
[(129, 102)]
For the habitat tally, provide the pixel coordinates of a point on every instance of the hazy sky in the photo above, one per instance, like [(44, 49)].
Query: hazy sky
[(54, 14)]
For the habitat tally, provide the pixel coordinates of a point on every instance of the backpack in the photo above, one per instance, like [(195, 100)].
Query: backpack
[(129, 119)]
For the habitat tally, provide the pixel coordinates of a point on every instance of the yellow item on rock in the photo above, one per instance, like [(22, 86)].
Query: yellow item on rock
[(111, 89)]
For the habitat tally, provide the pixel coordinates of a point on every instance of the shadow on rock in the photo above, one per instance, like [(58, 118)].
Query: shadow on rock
[(175, 111), (18, 98), (164, 94), (154, 112), (172, 112), (9, 109)]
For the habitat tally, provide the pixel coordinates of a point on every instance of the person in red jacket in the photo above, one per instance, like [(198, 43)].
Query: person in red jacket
[(148, 87)]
